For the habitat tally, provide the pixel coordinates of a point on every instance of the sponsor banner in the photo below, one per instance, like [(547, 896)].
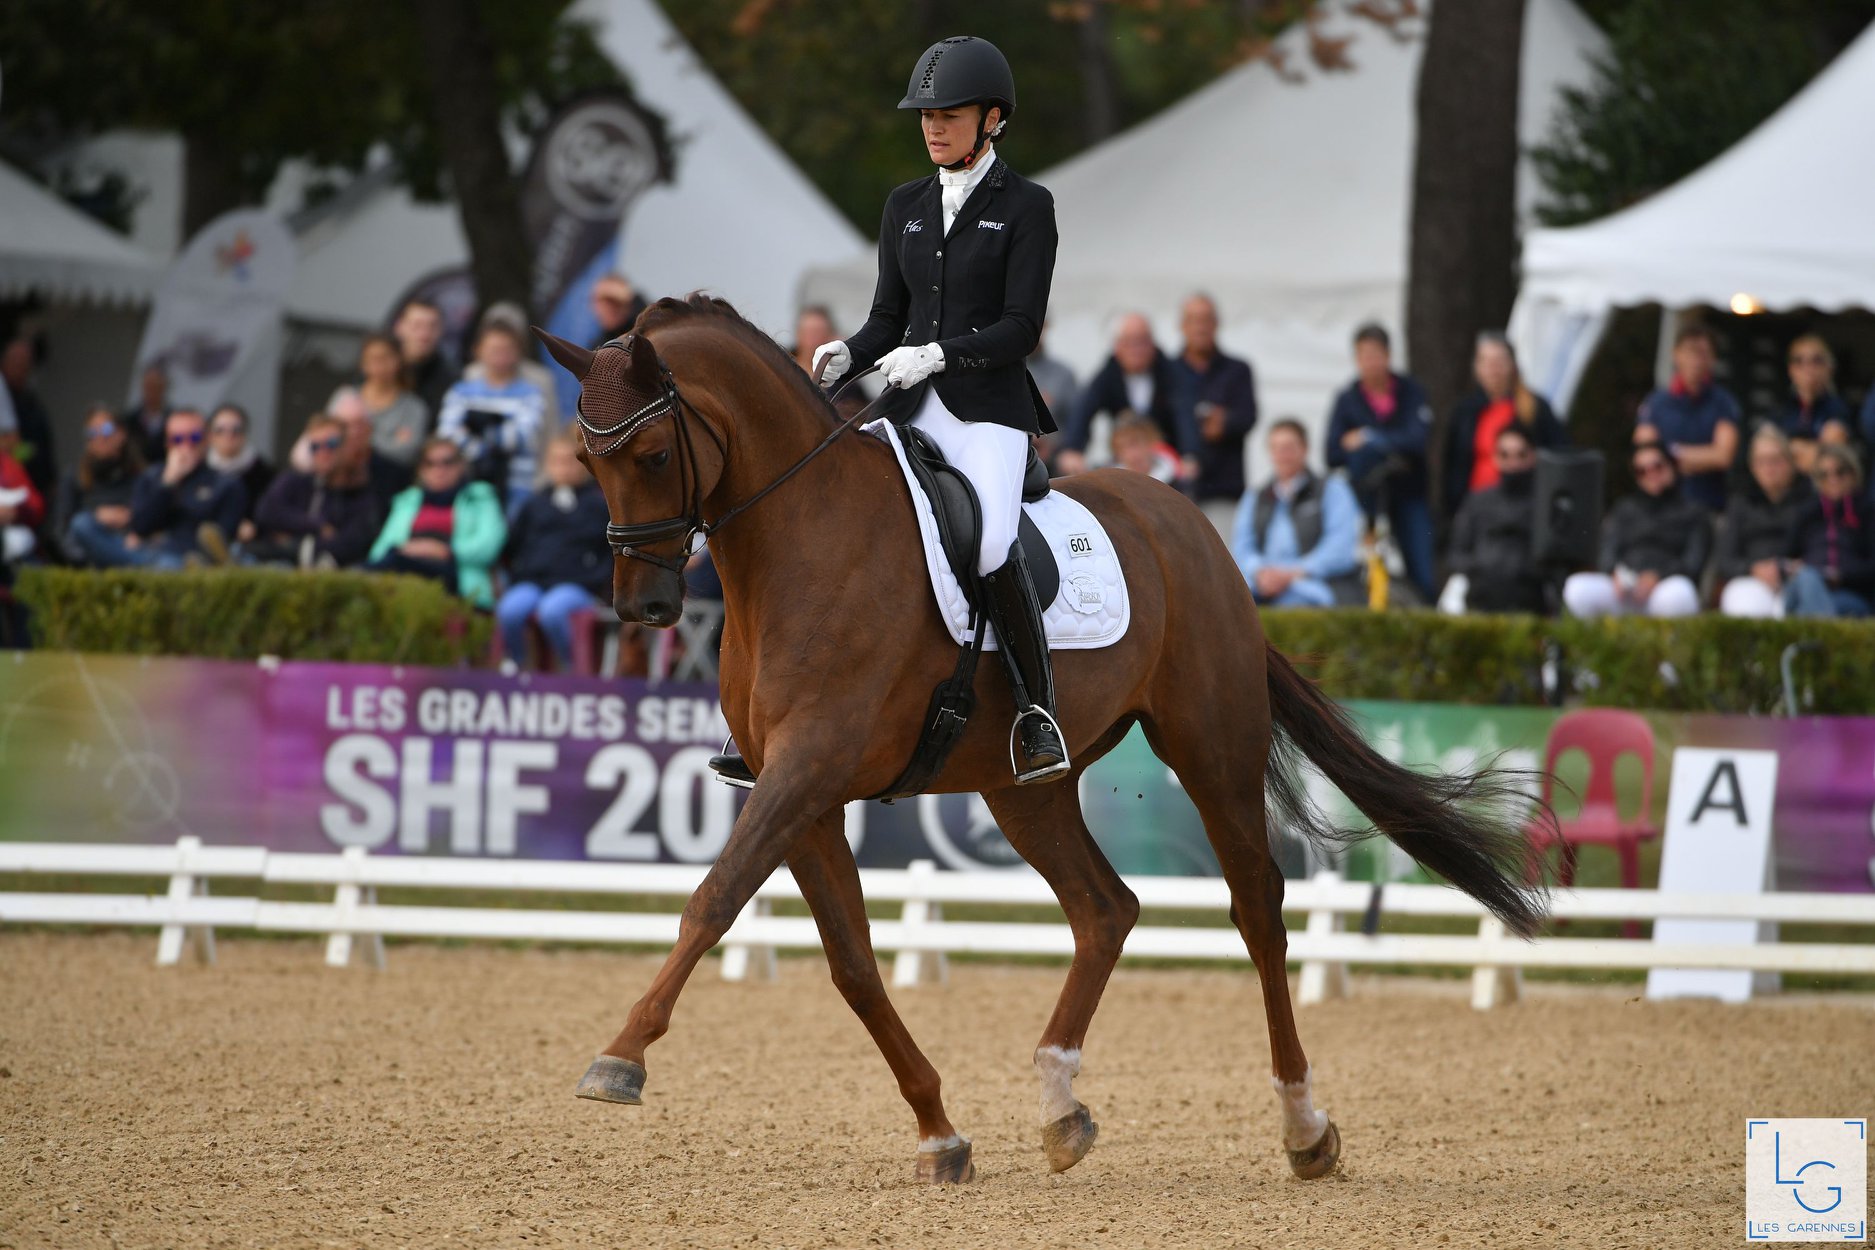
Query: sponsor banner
[(314, 757)]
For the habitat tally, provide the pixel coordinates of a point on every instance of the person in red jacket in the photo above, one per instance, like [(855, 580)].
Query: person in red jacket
[(22, 508)]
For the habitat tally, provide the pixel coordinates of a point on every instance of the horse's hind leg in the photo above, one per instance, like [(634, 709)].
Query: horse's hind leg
[(1045, 826), (823, 867), (1221, 766)]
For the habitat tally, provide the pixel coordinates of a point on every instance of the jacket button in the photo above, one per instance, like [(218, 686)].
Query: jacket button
[(934, 286), (940, 254)]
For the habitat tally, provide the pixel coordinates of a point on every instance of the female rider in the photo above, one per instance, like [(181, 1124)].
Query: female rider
[(965, 262)]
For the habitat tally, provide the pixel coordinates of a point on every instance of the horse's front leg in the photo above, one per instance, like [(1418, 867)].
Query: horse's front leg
[(780, 809)]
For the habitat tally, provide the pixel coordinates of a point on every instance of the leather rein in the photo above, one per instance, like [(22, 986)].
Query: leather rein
[(629, 540)]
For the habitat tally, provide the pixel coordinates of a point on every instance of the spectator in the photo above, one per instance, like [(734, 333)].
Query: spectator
[(22, 507), (399, 420), (616, 305), (231, 451), (419, 332), (445, 527), (496, 417), (1500, 400), (1377, 431), (181, 509), (1694, 418), (1493, 556), (1295, 539), (1833, 546), (813, 327), (1216, 394), (514, 317), (557, 557), (1053, 379), (1868, 419), (384, 476), (34, 449), (326, 517), (1136, 378), (1760, 516), (94, 499), (147, 422), (1813, 411), (1654, 548), (1136, 446)]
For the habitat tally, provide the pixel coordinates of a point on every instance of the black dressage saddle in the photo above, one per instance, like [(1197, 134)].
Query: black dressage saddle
[(960, 516)]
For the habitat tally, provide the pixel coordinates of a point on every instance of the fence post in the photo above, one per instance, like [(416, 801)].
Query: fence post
[(741, 961), (1323, 979), (911, 967), (184, 885), (345, 900), (1494, 984)]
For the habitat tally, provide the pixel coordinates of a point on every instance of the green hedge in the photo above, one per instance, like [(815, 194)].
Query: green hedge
[(240, 614), (1706, 663)]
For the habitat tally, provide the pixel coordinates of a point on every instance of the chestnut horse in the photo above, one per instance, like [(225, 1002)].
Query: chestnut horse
[(832, 645)]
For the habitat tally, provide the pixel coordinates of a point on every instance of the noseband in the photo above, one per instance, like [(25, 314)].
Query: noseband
[(629, 540)]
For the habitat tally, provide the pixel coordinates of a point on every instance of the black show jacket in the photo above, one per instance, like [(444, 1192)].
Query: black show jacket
[(980, 293)]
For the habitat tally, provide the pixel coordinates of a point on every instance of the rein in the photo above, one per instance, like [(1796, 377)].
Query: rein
[(628, 540)]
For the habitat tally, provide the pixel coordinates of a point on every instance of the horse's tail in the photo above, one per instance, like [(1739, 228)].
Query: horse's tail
[(1465, 828)]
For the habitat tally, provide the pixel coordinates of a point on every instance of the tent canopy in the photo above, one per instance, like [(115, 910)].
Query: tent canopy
[(49, 248), (1288, 202), (1781, 218)]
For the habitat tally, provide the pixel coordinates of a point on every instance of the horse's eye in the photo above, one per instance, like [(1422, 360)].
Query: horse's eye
[(657, 459)]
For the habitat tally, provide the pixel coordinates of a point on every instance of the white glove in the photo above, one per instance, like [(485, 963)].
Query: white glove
[(838, 359), (906, 367)]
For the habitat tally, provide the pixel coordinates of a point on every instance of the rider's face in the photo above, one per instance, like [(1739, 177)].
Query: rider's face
[(949, 134)]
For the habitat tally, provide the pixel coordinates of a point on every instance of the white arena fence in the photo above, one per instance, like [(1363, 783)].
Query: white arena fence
[(921, 937)]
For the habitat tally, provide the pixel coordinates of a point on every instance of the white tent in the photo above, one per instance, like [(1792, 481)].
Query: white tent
[(739, 219), (50, 249), (1747, 230), (1287, 202)]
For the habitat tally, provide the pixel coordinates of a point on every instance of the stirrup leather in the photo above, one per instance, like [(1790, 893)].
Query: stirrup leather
[(1009, 595)]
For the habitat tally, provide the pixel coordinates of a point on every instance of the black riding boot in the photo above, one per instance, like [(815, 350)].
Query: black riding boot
[(1009, 596)]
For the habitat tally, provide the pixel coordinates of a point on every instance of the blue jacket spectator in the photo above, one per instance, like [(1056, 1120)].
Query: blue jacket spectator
[(1695, 419), (1136, 378), (1378, 431), (1216, 395), (329, 512), (558, 560), (173, 507), (496, 418), (1296, 539)]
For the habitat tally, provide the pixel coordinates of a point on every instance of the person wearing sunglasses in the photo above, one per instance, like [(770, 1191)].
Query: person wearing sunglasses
[(92, 513), (325, 517), (1754, 534), (1655, 543), (230, 450), (182, 511), (445, 527), (1813, 412), (1694, 418), (1831, 571), (1493, 553)]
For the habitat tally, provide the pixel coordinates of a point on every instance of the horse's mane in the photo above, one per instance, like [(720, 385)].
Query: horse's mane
[(698, 307)]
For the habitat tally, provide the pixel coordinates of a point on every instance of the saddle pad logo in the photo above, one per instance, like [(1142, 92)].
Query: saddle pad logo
[(914, 226), (1080, 546), (1084, 593)]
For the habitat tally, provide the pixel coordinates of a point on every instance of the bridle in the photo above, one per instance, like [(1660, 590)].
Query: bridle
[(629, 540)]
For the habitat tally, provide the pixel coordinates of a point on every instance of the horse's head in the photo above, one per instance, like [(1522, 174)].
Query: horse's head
[(655, 460)]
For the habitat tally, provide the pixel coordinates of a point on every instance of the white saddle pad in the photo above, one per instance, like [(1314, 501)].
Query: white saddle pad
[(1090, 611)]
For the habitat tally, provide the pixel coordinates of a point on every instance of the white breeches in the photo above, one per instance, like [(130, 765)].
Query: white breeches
[(993, 458), (1747, 596), (1595, 594)]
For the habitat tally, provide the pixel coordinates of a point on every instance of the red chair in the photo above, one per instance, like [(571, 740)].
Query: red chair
[(1604, 735)]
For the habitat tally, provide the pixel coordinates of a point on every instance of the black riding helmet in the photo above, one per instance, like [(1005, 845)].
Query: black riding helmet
[(958, 71)]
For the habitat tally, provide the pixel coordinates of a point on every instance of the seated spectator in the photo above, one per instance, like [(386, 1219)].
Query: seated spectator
[(34, 446), (1136, 378), (147, 421), (1493, 555), (231, 451), (496, 418), (94, 499), (615, 305), (1136, 446), (1654, 548), (399, 420), (428, 370), (22, 507), (445, 527), (180, 510), (1813, 410), (557, 557), (325, 518), (1694, 419), (1377, 431), (1832, 572), (385, 476), (1500, 399), (1760, 516), (1217, 395), (1053, 379), (1296, 539), (512, 315)]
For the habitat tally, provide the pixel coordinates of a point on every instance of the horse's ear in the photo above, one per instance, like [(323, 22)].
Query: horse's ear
[(642, 367), (574, 358)]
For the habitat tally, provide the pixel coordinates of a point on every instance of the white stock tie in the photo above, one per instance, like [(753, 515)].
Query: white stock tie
[(956, 186)]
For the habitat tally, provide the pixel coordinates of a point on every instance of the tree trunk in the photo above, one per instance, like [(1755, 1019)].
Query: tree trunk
[(460, 62), (1100, 93), (210, 185), (1464, 215)]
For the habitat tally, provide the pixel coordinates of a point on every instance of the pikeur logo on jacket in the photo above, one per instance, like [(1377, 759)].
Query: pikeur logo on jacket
[(979, 291)]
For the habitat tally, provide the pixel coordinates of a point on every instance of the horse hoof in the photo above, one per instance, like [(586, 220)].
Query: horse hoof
[(1067, 1141), (949, 1166), (611, 1079), (1321, 1158)]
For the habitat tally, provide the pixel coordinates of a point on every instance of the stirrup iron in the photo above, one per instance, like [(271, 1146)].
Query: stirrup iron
[(1048, 771)]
